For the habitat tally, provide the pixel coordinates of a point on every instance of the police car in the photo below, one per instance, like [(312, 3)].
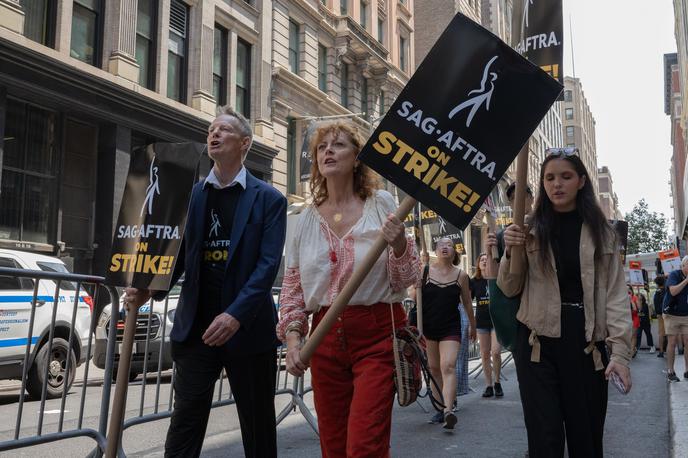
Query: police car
[(16, 296)]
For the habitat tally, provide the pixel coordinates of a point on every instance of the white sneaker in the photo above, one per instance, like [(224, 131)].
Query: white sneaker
[(653, 349)]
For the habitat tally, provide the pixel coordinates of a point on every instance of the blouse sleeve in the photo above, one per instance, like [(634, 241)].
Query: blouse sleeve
[(292, 309), (293, 315), (404, 271)]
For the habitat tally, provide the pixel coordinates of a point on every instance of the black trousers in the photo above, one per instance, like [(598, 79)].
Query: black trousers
[(562, 395), (252, 380), (645, 327)]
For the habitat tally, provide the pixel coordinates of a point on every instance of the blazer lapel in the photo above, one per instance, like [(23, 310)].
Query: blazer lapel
[(197, 217), (246, 199)]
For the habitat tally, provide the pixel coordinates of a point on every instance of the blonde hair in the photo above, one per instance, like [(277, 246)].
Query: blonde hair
[(365, 181)]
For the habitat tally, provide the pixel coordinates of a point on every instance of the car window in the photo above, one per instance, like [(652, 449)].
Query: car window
[(9, 282), (57, 267)]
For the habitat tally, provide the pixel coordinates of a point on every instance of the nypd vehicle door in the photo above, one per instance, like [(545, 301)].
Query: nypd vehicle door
[(16, 295)]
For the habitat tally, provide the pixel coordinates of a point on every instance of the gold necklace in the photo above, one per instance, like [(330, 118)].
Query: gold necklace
[(337, 217)]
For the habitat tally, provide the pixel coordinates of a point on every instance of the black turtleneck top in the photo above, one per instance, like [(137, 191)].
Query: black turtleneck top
[(566, 248)]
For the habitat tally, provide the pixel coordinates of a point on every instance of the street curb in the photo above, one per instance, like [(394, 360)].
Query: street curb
[(678, 413)]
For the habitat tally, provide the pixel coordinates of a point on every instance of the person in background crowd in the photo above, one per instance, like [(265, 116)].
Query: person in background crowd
[(445, 285), (645, 324), (573, 305), (352, 369), (658, 301), (226, 315), (633, 299), (490, 350), (676, 316)]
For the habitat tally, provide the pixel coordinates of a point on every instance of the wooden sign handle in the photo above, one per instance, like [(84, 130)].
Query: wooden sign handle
[(345, 295), (520, 205)]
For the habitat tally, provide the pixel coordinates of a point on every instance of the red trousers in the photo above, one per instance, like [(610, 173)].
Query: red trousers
[(353, 385)]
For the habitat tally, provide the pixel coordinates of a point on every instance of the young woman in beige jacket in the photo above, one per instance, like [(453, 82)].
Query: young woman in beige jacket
[(573, 309)]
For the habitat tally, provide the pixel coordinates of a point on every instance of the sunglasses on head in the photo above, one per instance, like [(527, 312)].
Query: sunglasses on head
[(561, 152)]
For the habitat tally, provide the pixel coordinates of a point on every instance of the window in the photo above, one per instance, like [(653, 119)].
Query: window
[(59, 268), (344, 81), (380, 30), (86, 31), (381, 104), (145, 42), (569, 113), (243, 78), (568, 96), (176, 54), (322, 68), (28, 188), (39, 22), (9, 283), (220, 65), (364, 97), (343, 7), (402, 54), (570, 131), (364, 14), (293, 46)]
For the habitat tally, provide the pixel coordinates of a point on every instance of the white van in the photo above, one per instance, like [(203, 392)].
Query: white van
[(16, 295)]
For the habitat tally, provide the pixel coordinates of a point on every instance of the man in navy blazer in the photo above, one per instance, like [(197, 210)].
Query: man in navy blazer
[(226, 316)]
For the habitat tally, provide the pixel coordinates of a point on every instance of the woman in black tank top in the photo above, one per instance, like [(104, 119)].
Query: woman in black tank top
[(443, 288)]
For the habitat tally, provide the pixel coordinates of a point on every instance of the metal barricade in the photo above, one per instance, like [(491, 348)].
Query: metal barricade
[(150, 355), (51, 334)]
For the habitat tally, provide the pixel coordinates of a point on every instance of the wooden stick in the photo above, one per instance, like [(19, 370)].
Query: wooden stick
[(345, 295), (491, 228), (520, 206), (122, 383), (419, 291)]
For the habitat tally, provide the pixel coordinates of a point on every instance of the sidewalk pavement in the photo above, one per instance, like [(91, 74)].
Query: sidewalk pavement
[(637, 424)]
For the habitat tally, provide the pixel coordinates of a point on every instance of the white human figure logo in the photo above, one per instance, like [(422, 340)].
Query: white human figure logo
[(443, 224), (215, 224), (152, 189), (526, 8), (483, 95)]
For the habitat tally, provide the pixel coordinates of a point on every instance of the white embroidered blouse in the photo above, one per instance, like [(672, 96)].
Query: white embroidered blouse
[(313, 277)]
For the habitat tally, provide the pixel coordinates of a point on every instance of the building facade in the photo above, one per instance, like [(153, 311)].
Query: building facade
[(82, 82), (677, 173), (496, 16), (579, 126), (609, 202)]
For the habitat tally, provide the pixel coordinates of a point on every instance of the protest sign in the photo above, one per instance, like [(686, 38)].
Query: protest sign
[(621, 228), (670, 260), (538, 34), (635, 273), (152, 216), (460, 121)]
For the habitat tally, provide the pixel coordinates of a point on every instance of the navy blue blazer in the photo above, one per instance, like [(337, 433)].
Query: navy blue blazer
[(255, 253)]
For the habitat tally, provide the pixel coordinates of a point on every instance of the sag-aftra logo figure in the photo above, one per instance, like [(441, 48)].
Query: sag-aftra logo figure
[(152, 189), (483, 95)]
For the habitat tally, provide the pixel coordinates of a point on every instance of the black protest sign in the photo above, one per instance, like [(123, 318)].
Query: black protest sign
[(305, 174), (621, 228), (497, 204), (152, 215), (538, 34), (460, 121)]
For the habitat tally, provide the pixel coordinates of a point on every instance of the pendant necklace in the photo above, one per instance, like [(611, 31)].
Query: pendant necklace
[(337, 217)]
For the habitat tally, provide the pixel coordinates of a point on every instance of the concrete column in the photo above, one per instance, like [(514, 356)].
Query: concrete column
[(121, 24), (309, 54), (201, 56), (12, 16), (163, 46), (232, 63), (261, 75), (63, 27)]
